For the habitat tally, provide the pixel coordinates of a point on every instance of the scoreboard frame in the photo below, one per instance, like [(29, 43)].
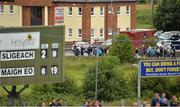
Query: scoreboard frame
[(48, 61)]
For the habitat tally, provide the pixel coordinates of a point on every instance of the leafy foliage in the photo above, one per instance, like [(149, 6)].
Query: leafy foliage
[(150, 41), (141, 1), (67, 87), (167, 17), (110, 84), (122, 48)]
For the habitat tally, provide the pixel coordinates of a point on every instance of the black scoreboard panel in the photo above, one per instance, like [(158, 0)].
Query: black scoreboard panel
[(28, 66)]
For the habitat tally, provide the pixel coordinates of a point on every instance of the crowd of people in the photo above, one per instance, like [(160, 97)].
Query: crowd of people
[(158, 100), (157, 52), (91, 50), (59, 103), (162, 100)]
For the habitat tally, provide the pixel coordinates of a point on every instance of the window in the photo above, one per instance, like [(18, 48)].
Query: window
[(110, 9), (79, 32), (92, 11), (1, 9), (119, 11), (36, 13), (70, 11), (79, 11), (70, 32), (101, 32), (11, 9), (110, 31), (128, 29), (119, 29), (101, 11), (92, 32), (127, 10)]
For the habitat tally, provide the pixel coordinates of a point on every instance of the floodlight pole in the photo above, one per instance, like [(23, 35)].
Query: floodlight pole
[(138, 83), (96, 85), (112, 12), (152, 12), (13, 95), (139, 89)]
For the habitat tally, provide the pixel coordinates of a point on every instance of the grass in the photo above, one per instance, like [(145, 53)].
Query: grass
[(144, 16), (76, 67)]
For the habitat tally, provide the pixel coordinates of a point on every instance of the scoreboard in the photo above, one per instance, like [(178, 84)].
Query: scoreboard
[(31, 55)]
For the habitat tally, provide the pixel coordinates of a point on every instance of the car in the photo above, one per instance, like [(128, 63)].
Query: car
[(108, 42), (168, 39), (79, 44)]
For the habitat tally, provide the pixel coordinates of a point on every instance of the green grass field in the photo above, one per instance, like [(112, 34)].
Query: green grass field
[(75, 68), (143, 16)]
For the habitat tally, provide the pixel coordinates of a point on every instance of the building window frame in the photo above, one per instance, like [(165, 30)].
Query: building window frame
[(70, 32), (128, 28), (128, 10), (79, 33), (110, 10), (119, 29), (79, 11), (101, 32), (11, 9), (101, 11), (1, 9), (70, 11), (92, 33), (119, 12), (92, 11)]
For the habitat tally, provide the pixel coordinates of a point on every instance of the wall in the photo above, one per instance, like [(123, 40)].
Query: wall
[(97, 22), (74, 22), (124, 20), (9, 20)]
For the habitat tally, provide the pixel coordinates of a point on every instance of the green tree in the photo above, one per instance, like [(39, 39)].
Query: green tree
[(141, 1), (111, 85), (150, 41), (167, 16), (122, 48)]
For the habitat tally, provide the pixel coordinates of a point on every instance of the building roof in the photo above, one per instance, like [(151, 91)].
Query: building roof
[(92, 1)]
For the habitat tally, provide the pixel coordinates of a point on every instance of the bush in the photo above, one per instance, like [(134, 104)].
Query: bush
[(141, 1), (122, 48), (110, 84), (167, 16), (67, 87)]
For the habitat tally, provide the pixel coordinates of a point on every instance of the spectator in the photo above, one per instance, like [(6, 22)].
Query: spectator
[(89, 50), (42, 104), (77, 51), (135, 104), (173, 52), (157, 52), (157, 104), (137, 53), (86, 104), (59, 102), (174, 101), (97, 103), (164, 100), (53, 103), (156, 99), (82, 50)]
